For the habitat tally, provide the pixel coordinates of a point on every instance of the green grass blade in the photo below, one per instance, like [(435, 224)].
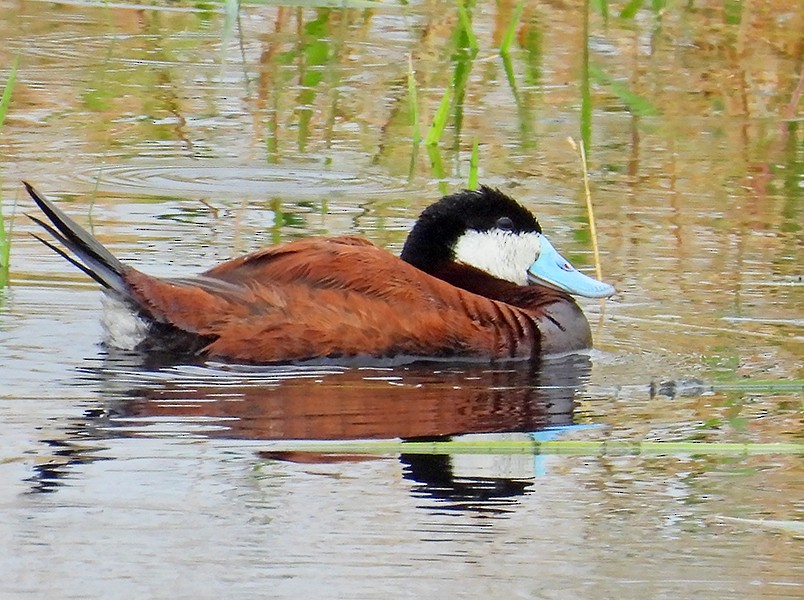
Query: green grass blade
[(5, 230), (5, 250), (473, 162), (768, 386), (602, 6), (413, 102), (586, 88), (231, 8), (437, 166), (510, 32), (414, 158), (463, 67), (635, 103), (466, 24), (630, 10), (534, 447), (5, 101), (440, 120)]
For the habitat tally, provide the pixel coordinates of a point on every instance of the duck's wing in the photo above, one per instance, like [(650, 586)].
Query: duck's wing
[(278, 261)]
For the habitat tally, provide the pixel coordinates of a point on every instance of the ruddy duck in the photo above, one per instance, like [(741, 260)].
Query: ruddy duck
[(476, 279)]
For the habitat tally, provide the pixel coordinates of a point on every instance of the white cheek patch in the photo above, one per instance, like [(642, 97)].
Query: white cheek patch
[(504, 254)]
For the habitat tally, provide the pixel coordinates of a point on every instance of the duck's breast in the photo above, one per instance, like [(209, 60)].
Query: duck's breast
[(564, 328)]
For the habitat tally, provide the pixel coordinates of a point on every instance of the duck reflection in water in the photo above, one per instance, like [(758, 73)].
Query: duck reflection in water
[(422, 401), (427, 401)]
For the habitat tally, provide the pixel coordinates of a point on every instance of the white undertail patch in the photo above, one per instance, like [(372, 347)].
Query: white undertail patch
[(122, 328), (504, 254)]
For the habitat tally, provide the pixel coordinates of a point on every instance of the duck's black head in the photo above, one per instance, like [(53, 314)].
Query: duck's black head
[(483, 228), (490, 231)]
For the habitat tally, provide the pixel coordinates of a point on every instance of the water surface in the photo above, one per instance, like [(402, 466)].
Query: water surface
[(182, 137)]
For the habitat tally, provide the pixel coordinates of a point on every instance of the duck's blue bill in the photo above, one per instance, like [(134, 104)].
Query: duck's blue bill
[(555, 271)]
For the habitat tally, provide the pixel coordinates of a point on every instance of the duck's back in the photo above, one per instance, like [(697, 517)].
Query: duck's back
[(335, 298)]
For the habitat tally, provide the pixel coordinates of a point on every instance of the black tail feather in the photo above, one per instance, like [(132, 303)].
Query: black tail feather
[(91, 256), (69, 258)]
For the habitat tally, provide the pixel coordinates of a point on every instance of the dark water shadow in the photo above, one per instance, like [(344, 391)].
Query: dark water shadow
[(424, 401)]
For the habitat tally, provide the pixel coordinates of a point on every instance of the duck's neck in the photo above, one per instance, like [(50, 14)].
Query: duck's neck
[(528, 297)]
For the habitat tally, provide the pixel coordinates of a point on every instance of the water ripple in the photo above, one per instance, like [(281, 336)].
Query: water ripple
[(197, 180), (82, 49)]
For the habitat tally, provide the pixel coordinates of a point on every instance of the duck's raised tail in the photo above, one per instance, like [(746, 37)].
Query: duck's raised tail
[(90, 255)]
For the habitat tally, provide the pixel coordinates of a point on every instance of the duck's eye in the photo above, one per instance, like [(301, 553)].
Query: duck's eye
[(505, 223)]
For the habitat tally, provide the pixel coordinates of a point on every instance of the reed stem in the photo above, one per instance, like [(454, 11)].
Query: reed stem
[(589, 210)]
